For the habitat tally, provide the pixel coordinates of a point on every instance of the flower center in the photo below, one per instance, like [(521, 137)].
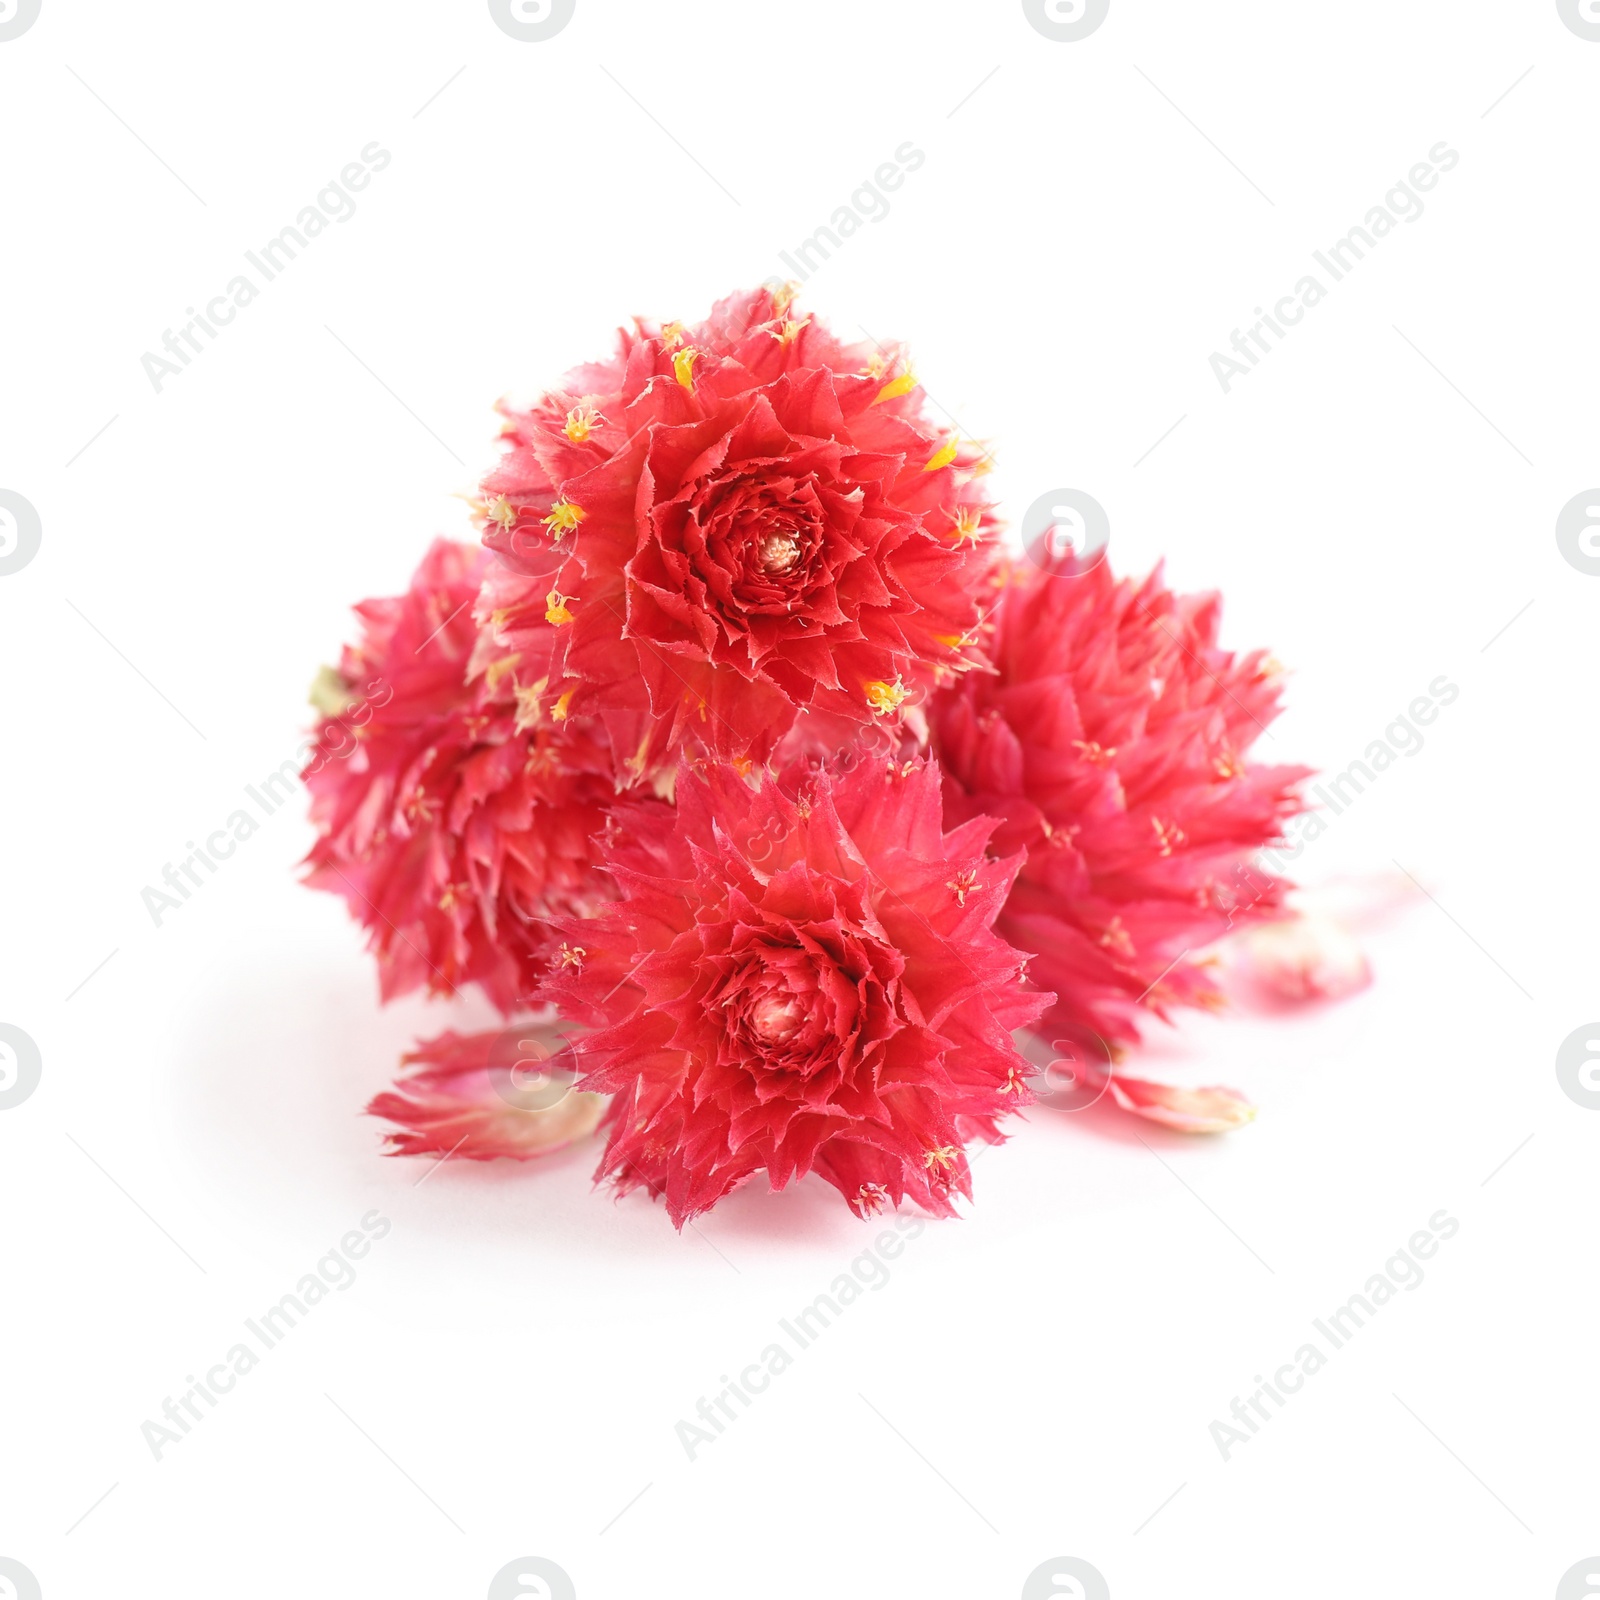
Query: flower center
[(779, 552), (775, 1020)]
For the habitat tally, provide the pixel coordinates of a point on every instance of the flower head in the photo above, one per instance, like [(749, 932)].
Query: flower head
[(1111, 741), (454, 814), (750, 521), (789, 984)]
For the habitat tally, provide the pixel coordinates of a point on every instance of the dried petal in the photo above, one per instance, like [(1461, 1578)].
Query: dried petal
[(1210, 1110), (1302, 957), (468, 1097)]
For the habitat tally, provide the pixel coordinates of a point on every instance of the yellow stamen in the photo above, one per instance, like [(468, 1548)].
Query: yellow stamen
[(558, 712), (904, 384), (582, 420), (962, 885), (945, 455), (940, 1159), (527, 698), (683, 365), (784, 297), (635, 764), (496, 670), (555, 609), (789, 330), (885, 698), (969, 522), (502, 511), (672, 335), (423, 808), (572, 955), (564, 517)]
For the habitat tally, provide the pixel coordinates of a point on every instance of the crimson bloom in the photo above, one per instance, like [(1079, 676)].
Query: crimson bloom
[(452, 828), (800, 976), (730, 525), (1111, 740)]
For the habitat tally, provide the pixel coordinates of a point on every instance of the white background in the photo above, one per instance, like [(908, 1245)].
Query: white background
[(1377, 500)]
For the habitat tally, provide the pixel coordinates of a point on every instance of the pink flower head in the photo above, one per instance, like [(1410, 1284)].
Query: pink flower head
[(730, 525), (799, 976), (481, 1095), (1111, 740), (452, 830)]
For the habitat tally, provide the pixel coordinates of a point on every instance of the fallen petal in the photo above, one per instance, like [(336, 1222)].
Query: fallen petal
[(506, 1092), (1208, 1110), (1213, 1109), (1304, 957)]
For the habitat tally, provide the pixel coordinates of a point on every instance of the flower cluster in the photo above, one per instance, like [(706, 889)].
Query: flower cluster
[(781, 803)]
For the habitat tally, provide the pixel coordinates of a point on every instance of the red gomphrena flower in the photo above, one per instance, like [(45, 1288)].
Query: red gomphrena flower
[(800, 976), (1112, 741), (506, 1092), (453, 816), (728, 526)]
